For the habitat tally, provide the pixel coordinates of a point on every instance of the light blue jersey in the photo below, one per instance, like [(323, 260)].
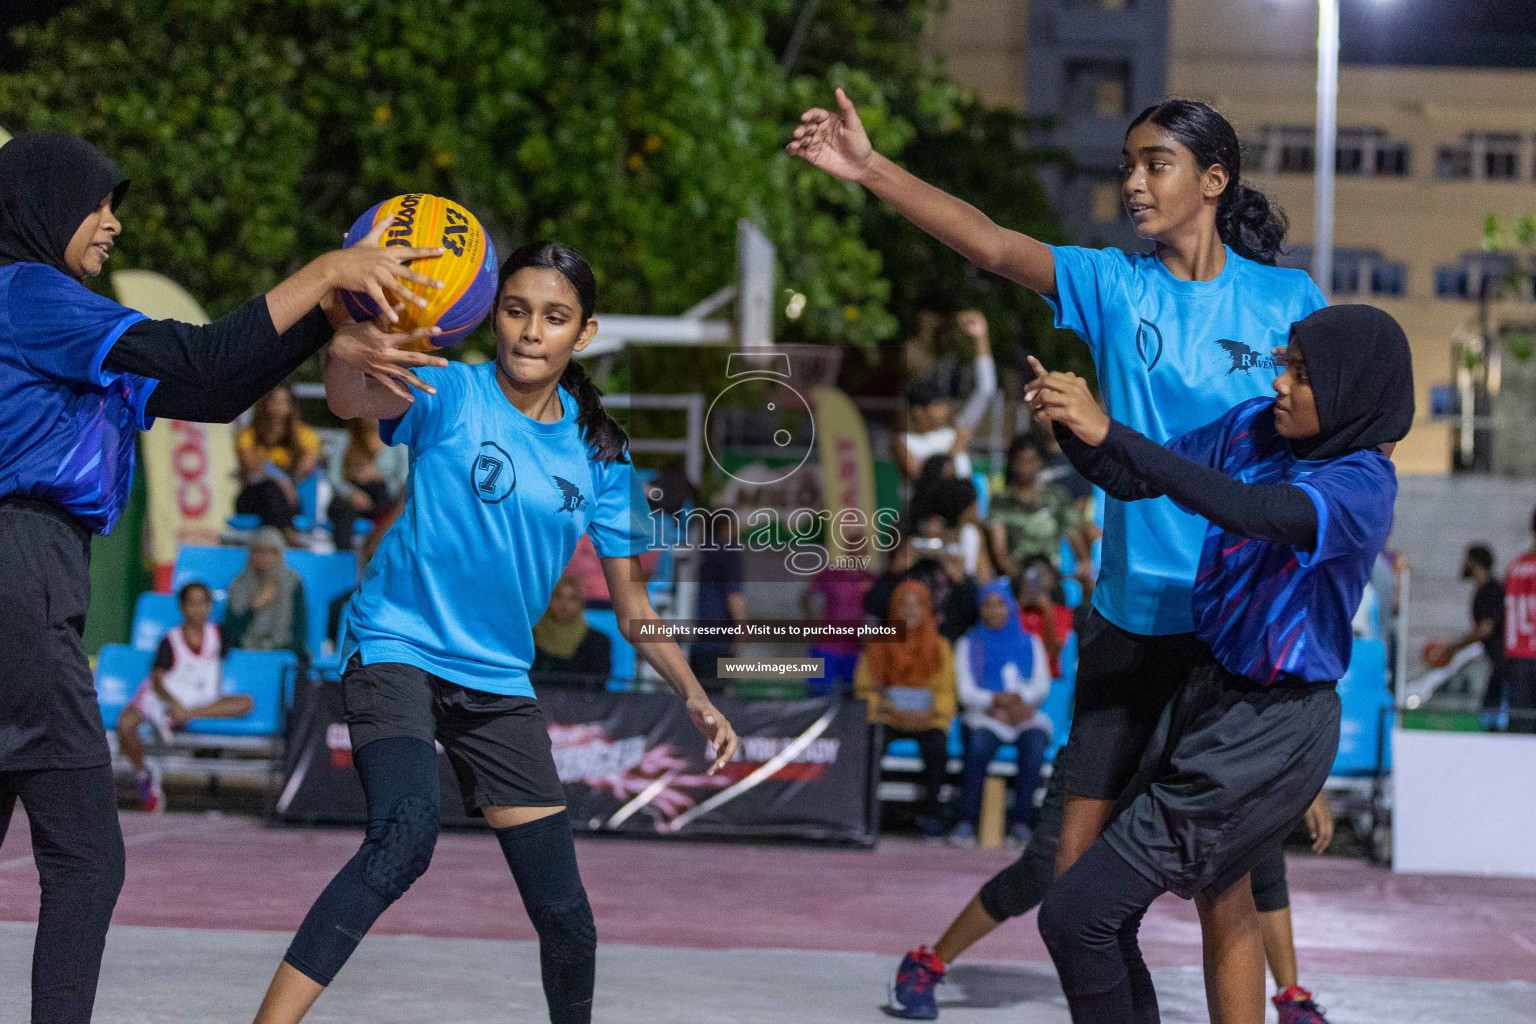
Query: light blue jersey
[(1171, 356), (494, 506)]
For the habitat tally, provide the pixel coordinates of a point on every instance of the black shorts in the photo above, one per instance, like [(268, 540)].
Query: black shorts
[(498, 745), (1124, 680), (49, 717), (1230, 772)]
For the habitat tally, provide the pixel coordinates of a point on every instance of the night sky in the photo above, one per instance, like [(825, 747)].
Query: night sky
[(1468, 33)]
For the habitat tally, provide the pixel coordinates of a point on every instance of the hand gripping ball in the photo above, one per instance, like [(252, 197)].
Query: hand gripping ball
[(467, 268)]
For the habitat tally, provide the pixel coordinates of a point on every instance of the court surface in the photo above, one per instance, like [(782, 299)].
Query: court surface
[(724, 933)]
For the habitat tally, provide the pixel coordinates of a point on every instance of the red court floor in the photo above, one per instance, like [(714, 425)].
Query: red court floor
[(234, 873)]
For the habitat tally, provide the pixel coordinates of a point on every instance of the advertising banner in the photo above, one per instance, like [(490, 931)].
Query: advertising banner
[(633, 762)]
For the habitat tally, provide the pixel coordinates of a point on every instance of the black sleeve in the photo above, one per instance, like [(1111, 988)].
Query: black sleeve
[(213, 373), (1100, 468), (1280, 513), (1487, 604), (165, 658)]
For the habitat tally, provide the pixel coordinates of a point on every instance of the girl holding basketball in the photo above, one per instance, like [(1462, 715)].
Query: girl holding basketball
[(512, 461), (80, 375), (1178, 336)]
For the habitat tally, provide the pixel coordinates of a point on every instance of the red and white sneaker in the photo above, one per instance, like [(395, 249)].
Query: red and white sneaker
[(151, 795), (1295, 1006)]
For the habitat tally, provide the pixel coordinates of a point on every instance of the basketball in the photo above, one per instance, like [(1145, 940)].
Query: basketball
[(1436, 654), (467, 269)]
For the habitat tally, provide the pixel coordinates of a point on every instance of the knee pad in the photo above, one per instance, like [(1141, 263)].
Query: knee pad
[(400, 847), (1019, 887), (1271, 891), (567, 931)]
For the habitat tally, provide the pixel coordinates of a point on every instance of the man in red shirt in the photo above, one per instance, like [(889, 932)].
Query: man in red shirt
[(1520, 639)]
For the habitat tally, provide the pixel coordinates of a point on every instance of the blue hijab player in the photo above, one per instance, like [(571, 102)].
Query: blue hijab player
[(1299, 493), (512, 461), (80, 375)]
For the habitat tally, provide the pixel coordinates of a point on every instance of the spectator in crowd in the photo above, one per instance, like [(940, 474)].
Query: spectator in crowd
[(277, 453), (266, 609), (933, 554), (1002, 676), (667, 495), (836, 595), (910, 687), (1475, 679), (1518, 673), (1045, 613), (367, 483), (183, 685), (1059, 470), (934, 428), (567, 651), (1033, 516), (722, 575)]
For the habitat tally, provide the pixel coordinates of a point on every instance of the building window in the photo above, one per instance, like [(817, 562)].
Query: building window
[(1392, 160), (1296, 156), (1451, 282), (1501, 157), (1389, 279), (1453, 163), (1106, 203), (1098, 88)]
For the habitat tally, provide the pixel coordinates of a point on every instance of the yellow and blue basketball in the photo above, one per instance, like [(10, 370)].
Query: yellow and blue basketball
[(467, 268)]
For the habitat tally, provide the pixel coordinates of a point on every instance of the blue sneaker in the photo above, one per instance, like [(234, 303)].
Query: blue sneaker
[(911, 992)]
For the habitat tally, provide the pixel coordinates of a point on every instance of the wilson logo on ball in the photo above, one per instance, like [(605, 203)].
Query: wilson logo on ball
[(467, 267)]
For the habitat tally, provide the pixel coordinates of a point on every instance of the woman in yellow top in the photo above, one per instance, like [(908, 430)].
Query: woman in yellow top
[(910, 687), (277, 452)]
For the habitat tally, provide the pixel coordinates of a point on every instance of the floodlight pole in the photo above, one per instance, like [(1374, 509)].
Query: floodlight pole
[(1326, 145)]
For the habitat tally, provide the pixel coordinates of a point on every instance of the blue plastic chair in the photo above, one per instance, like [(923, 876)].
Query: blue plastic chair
[(1365, 698), (1068, 558), (153, 615), (621, 671), (1072, 591), (119, 671), (1058, 703), (983, 493), (262, 676), (325, 577), (213, 566)]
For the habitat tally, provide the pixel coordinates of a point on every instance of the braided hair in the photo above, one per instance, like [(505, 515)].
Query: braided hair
[(1245, 218), (601, 432)]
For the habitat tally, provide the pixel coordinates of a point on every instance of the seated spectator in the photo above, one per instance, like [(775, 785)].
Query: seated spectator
[(934, 430), (1045, 613), (567, 651), (277, 452), (266, 601), (1002, 677), (368, 482), (836, 595), (1033, 516), (183, 685), (910, 687)]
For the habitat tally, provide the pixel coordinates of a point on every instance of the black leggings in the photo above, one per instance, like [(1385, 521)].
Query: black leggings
[(78, 847), (1089, 922), (400, 780), (933, 748)]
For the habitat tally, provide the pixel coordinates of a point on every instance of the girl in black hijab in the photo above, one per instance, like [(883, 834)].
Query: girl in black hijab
[(1299, 493), (79, 376)]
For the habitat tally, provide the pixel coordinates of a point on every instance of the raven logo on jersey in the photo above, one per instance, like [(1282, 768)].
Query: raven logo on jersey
[(574, 502), (1244, 358), (492, 474)]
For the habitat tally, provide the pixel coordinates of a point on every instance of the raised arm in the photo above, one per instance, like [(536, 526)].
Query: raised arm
[(838, 144)]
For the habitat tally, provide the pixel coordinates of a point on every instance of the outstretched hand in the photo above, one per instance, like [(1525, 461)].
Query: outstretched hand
[(383, 354), (713, 727), (380, 271), (1064, 398), (837, 143)]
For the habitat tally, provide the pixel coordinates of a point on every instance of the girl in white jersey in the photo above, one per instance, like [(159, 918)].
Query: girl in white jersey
[(1178, 336)]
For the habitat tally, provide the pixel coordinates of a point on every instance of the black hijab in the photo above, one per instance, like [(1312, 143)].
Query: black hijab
[(49, 183), (1361, 371)]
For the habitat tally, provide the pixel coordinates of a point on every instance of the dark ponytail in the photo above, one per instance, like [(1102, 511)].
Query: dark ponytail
[(1245, 218), (607, 439)]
